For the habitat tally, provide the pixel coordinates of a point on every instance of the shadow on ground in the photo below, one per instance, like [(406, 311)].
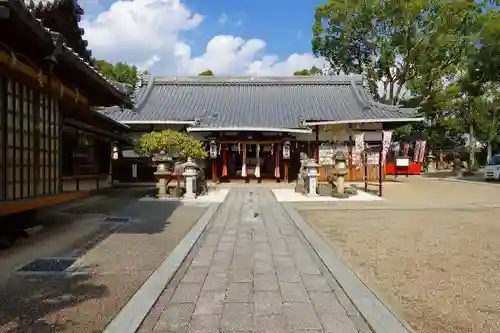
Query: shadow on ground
[(478, 177), (148, 217), (48, 295), (120, 256)]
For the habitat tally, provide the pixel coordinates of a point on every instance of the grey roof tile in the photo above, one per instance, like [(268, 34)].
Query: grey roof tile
[(260, 102)]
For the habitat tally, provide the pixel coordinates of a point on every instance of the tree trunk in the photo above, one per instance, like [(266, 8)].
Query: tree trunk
[(472, 151), (489, 151)]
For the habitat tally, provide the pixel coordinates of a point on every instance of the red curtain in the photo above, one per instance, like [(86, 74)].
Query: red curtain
[(224, 161), (277, 161)]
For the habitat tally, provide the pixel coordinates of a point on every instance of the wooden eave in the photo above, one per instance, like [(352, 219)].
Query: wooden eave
[(98, 90)]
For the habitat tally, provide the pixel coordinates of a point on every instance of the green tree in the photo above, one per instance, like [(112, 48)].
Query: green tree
[(170, 141), (119, 72), (474, 89), (309, 72), (208, 72), (392, 41)]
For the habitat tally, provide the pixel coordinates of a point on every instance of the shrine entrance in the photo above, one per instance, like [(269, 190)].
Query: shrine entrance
[(248, 160), (251, 161)]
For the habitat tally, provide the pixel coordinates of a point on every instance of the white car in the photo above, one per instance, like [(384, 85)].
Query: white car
[(492, 170)]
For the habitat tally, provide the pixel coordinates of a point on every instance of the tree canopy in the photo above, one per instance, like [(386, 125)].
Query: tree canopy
[(309, 72), (208, 72), (119, 72), (444, 56), (170, 141), (392, 41)]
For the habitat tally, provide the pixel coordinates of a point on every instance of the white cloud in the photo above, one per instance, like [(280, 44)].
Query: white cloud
[(149, 33)]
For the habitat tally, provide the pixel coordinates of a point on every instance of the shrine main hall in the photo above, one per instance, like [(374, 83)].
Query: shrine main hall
[(259, 128)]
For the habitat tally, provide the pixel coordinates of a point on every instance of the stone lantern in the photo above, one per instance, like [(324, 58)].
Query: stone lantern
[(190, 173), (311, 168), (163, 172), (341, 170), (431, 161)]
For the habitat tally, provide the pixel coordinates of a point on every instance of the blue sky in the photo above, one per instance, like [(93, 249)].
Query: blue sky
[(244, 37), (285, 25)]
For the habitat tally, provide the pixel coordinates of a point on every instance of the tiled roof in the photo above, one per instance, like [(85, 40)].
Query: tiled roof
[(49, 4), (27, 6), (273, 102)]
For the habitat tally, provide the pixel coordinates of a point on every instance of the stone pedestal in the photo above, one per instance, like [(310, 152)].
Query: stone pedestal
[(161, 185), (341, 168), (163, 172), (299, 184), (190, 173), (340, 184), (431, 162), (457, 167), (312, 178)]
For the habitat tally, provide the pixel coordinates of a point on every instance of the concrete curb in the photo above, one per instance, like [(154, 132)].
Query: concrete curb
[(376, 314), (131, 316)]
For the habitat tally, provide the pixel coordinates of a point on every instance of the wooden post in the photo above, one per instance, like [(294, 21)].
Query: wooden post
[(350, 175), (316, 151), (214, 170), (285, 166), (380, 171), (365, 167)]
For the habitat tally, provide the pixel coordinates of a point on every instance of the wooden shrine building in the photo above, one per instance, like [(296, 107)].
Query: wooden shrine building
[(54, 146), (257, 128)]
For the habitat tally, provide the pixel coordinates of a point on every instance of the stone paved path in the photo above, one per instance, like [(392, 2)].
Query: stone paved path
[(253, 272)]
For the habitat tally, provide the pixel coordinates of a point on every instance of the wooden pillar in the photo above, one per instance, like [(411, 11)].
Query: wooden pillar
[(350, 174), (285, 166), (214, 170), (316, 150)]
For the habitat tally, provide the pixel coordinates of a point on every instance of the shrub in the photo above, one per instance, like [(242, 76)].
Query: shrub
[(171, 142)]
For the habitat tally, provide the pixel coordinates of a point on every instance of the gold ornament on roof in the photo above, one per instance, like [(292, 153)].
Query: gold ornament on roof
[(13, 59), (40, 78)]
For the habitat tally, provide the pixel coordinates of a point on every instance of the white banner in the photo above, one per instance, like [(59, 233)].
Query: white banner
[(416, 151), (359, 146), (257, 166), (386, 143), (244, 162), (421, 154)]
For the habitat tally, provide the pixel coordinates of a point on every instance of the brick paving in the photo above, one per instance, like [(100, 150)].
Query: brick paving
[(253, 272)]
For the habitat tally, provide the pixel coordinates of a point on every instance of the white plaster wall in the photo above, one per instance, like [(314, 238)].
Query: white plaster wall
[(373, 132), (324, 134)]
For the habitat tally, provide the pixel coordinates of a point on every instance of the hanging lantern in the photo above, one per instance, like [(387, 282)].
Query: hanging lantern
[(213, 149), (286, 149), (115, 154)]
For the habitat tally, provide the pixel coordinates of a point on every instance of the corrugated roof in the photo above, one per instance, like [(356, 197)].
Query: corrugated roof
[(271, 102)]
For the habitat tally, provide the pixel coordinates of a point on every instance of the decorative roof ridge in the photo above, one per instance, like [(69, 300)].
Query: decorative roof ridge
[(39, 7), (47, 5), (361, 100), (139, 103), (261, 80), (366, 102)]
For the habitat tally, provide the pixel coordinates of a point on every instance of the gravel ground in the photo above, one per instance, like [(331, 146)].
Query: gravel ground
[(435, 267), (114, 269)]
